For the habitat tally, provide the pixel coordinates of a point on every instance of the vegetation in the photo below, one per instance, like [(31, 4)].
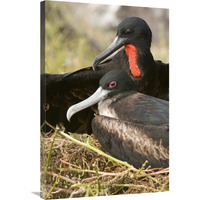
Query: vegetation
[(75, 165)]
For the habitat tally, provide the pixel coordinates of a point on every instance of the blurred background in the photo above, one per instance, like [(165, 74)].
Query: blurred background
[(75, 33)]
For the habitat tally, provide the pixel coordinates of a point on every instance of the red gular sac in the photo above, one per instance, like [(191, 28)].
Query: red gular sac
[(131, 52)]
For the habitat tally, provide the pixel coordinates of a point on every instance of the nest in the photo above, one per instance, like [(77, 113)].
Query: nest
[(75, 167)]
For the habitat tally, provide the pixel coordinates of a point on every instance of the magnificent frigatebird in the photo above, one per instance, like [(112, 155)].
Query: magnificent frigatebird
[(151, 77), (60, 91), (131, 126)]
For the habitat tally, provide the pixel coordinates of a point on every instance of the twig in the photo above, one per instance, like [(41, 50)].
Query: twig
[(144, 164), (42, 150), (91, 171), (134, 185), (49, 155), (61, 177), (69, 164), (79, 191), (115, 192), (98, 182), (84, 185), (116, 177), (54, 185), (45, 122), (95, 149), (155, 173)]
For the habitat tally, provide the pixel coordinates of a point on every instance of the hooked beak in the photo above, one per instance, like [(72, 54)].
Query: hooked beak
[(95, 98), (116, 44)]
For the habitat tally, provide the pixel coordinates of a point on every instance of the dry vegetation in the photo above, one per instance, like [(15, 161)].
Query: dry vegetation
[(75, 165)]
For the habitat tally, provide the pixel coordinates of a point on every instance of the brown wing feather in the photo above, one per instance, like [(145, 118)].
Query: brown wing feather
[(133, 142)]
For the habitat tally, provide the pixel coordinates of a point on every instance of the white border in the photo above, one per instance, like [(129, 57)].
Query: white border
[(19, 107), (144, 3)]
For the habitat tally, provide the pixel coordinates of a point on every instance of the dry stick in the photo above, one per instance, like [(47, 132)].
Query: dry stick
[(90, 179), (102, 153), (83, 185), (91, 147), (102, 175), (70, 164), (79, 191), (96, 150), (91, 183), (134, 185), (61, 177), (91, 171), (155, 173), (116, 177)]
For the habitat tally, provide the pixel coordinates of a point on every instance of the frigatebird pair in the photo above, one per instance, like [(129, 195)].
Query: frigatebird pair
[(146, 75), (60, 91)]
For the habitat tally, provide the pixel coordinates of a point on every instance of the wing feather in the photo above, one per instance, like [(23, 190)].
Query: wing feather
[(133, 142)]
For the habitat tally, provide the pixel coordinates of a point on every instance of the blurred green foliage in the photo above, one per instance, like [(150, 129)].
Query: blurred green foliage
[(72, 42)]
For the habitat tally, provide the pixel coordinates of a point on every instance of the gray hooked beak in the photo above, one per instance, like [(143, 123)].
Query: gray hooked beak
[(116, 44), (95, 98)]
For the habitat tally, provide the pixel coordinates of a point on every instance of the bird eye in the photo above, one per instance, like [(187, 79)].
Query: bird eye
[(127, 31), (112, 84)]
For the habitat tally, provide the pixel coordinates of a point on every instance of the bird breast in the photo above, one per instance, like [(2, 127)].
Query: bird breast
[(105, 109)]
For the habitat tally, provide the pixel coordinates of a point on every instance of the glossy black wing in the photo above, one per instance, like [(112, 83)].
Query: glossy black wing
[(133, 142), (161, 86), (133, 106), (60, 91)]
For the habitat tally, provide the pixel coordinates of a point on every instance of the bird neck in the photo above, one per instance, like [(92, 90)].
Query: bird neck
[(154, 74), (132, 54), (138, 59)]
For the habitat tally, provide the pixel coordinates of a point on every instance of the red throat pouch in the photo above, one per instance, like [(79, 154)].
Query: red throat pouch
[(131, 52)]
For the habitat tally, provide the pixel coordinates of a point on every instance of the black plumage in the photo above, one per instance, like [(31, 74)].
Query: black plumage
[(60, 91), (131, 126), (63, 90), (135, 35)]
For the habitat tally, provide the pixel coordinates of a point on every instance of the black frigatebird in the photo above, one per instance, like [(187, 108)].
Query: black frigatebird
[(60, 91), (131, 126), (151, 77)]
